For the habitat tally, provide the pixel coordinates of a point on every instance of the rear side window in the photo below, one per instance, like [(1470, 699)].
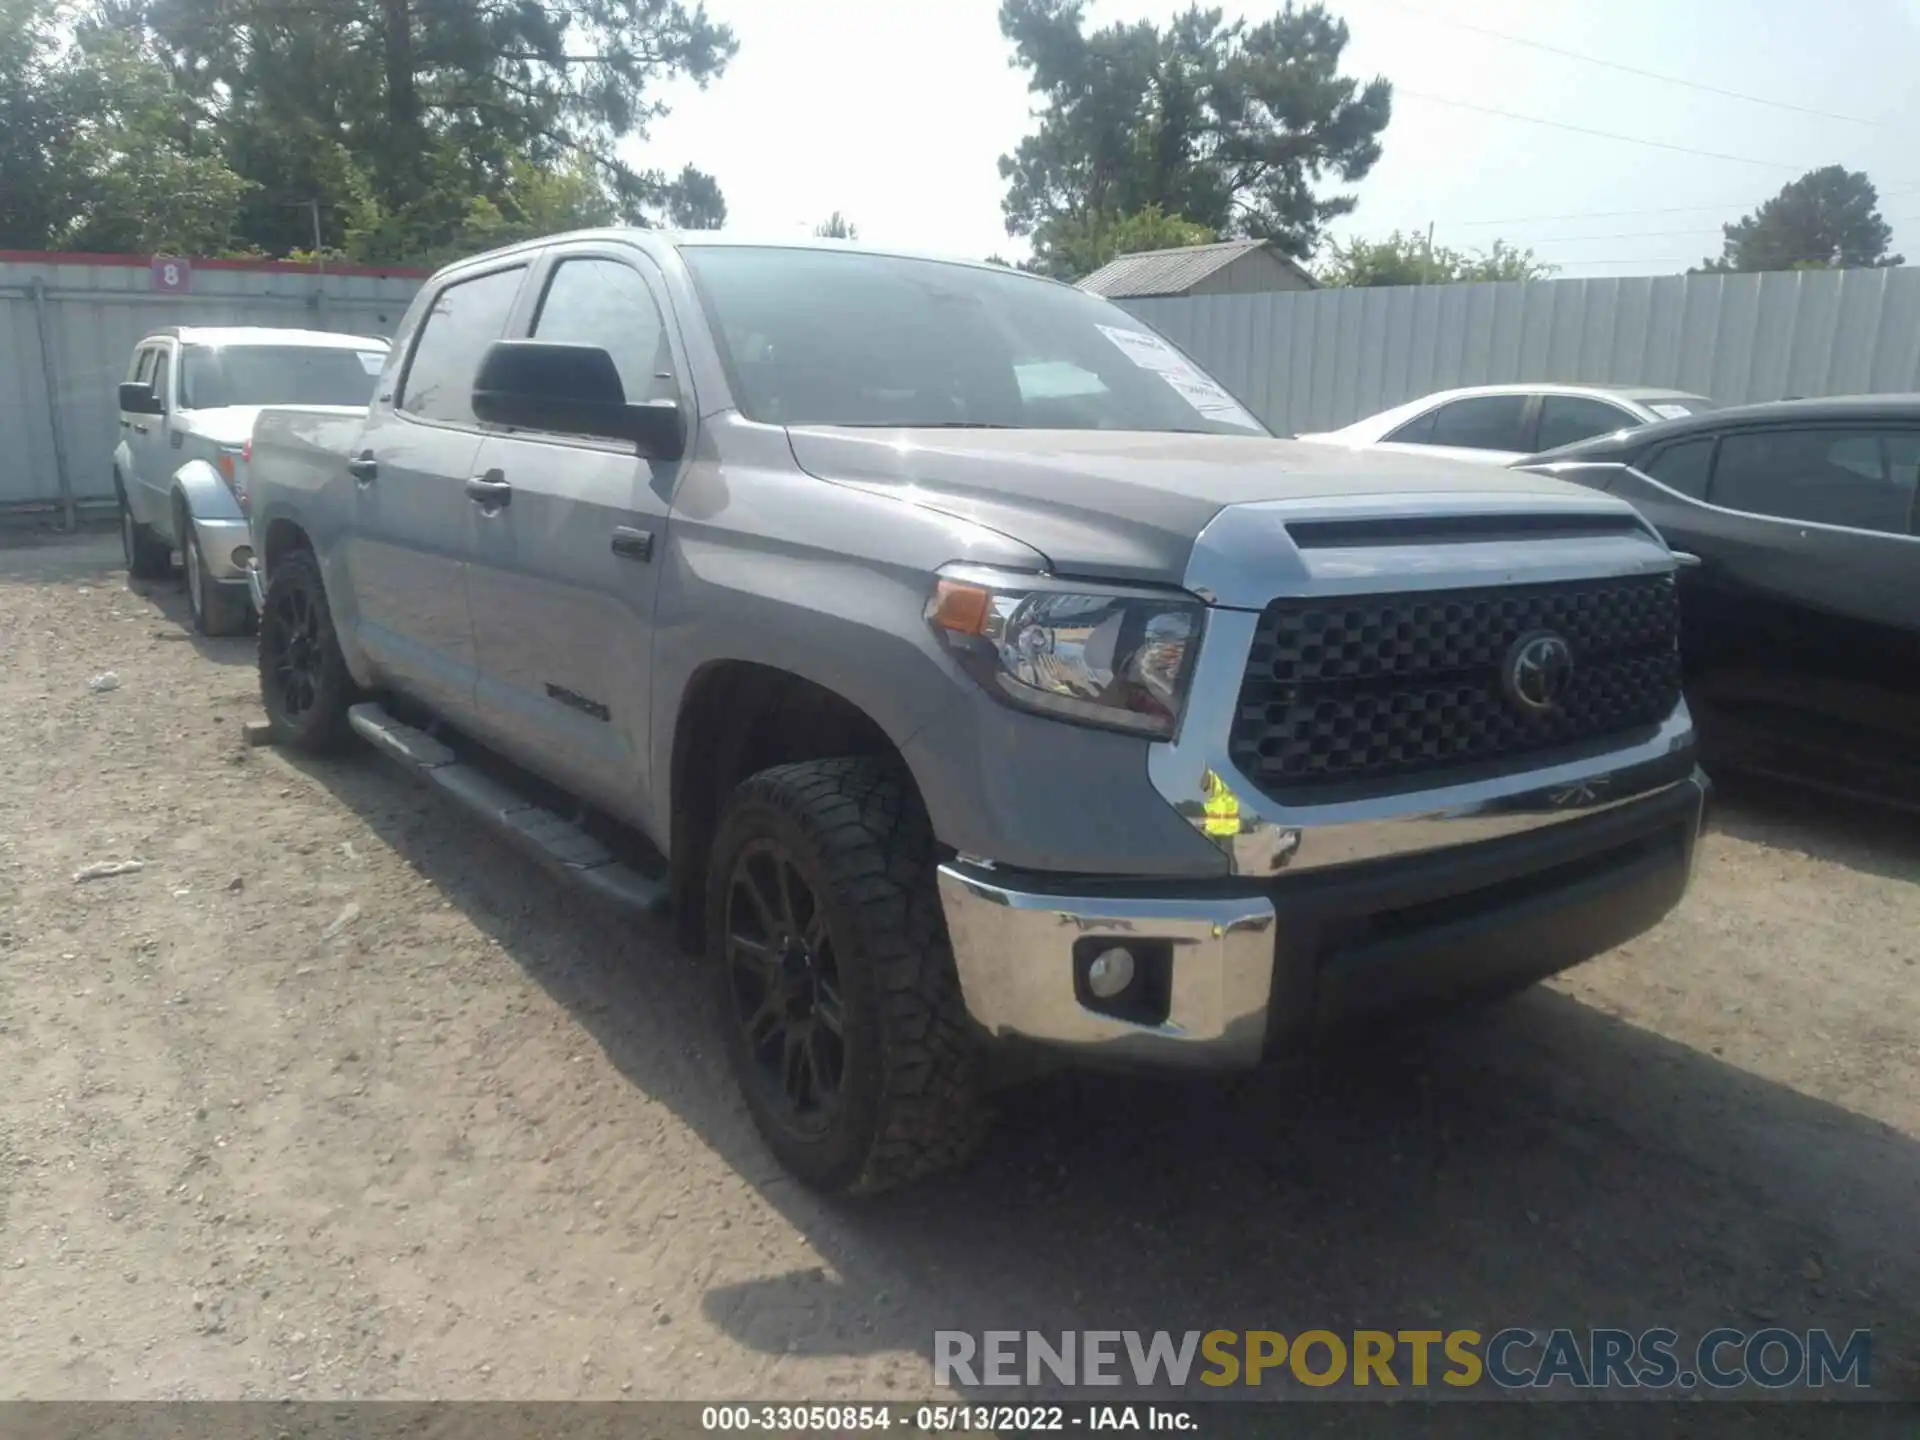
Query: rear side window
[(1862, 479), (607, 304), (1484, 422), (1417, 431), (1567, 418), (1684, 467), (466, 318)]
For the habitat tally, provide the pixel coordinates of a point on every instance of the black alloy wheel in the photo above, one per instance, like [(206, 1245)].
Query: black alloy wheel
[(784, 981), (291, 647)]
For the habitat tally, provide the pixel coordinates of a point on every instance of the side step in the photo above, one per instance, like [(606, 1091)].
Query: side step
[(558, 843)]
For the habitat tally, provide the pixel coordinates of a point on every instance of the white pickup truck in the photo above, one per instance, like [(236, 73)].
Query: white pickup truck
[(186, 413)]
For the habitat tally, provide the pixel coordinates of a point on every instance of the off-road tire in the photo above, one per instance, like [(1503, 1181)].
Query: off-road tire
[(148, 557), (216, 609), (296, 593), (912, 1090)]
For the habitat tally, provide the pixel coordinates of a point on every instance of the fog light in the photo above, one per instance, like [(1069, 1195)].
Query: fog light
[(242, 556), (1111, 972)]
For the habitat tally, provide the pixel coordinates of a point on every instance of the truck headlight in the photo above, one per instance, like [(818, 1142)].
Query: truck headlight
[(1112, 656)]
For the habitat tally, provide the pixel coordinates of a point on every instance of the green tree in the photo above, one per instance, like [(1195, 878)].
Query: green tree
[(142, 175), (694, 201), (1827, 219), (1231, 125), (1403, 259), (837, 227), (1068, 247), (397, 114), (36, 117)]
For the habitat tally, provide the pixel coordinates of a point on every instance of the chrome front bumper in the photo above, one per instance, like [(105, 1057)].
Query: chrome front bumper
[(1014, 951), (1255, 973)]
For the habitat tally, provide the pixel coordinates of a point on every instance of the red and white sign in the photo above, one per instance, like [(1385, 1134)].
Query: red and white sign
[(171, 276)]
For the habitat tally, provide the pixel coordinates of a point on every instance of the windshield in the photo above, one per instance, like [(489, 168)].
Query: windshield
[(824, 337), (215, 376)]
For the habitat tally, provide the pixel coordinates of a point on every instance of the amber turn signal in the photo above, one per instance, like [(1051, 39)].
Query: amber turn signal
[(960, 608)]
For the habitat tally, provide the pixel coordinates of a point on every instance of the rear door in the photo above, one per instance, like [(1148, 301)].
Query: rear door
[(409, 525), (568, 527), (1494, 428)]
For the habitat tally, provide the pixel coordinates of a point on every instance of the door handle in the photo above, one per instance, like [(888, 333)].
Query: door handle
[(364, 469), (126, 424), (140, 429), (631, 544), (490, 491)]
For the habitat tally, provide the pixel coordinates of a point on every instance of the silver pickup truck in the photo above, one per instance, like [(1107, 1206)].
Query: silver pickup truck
[(983, 675)]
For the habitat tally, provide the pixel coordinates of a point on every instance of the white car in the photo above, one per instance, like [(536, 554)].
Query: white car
[(186, 413), (1501, 423)]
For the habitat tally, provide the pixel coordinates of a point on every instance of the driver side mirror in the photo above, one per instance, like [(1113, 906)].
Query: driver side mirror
[(572, 390), (137, 398)]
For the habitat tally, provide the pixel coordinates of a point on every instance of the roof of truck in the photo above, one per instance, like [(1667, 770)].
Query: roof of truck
[(266, 335), (696, 239)]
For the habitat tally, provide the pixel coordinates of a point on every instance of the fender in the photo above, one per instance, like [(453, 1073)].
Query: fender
[(205, 494)]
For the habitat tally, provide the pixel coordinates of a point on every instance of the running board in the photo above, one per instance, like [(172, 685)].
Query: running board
[(556, 842)]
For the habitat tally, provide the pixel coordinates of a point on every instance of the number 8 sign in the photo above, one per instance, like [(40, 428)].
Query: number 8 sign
[(172, 276)]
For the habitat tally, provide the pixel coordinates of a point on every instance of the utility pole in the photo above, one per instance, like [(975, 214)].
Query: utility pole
[(1426, 271), (320, 260)]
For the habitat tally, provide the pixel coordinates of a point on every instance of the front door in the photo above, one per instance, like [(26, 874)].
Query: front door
[(409, 523), (152, 468), (134, 427), (565, 565)]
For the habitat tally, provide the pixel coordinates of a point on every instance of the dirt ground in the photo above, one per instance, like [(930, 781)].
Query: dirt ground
[(336, 1097)]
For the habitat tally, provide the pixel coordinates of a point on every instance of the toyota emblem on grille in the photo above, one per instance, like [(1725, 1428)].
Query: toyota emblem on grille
[(1538, 667)]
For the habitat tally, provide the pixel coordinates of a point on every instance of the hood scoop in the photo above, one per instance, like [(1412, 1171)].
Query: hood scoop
[(1372, 532)]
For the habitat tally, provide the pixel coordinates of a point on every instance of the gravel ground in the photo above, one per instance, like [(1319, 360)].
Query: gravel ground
[(337, 1097)]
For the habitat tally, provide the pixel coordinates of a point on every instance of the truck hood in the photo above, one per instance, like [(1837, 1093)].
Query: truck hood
[(227, 425), (1129, 504)]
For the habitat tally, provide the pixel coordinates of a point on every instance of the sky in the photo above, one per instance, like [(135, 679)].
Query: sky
[(894, 112)]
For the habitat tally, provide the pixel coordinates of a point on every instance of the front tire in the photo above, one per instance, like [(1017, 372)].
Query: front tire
[(838, 996), (216, 609), (304, 682), (148, 557)]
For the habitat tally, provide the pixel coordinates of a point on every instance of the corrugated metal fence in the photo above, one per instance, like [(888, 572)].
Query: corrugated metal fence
[(1318, 359), (68, 325)]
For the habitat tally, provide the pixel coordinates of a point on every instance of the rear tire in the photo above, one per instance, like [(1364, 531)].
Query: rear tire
[(148, 557), (304, 682), (217, 609), (838, 996)]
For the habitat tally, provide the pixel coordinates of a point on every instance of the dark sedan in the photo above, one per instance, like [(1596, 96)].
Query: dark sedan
[(1802, 620)]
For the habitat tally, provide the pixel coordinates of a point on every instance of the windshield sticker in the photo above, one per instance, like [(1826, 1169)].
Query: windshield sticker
[(371, 361), (1670, 412), (1150, 352)]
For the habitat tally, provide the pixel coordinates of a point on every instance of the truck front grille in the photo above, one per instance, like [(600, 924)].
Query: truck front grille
[(1374, 688)]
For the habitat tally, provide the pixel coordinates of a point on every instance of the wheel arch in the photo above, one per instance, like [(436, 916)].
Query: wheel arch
[(736, 718)]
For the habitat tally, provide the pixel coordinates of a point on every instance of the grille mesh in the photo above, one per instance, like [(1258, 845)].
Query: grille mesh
[(1371, 687)]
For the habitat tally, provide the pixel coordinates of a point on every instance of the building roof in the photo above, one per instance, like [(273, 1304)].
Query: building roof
[(1171, 272)]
